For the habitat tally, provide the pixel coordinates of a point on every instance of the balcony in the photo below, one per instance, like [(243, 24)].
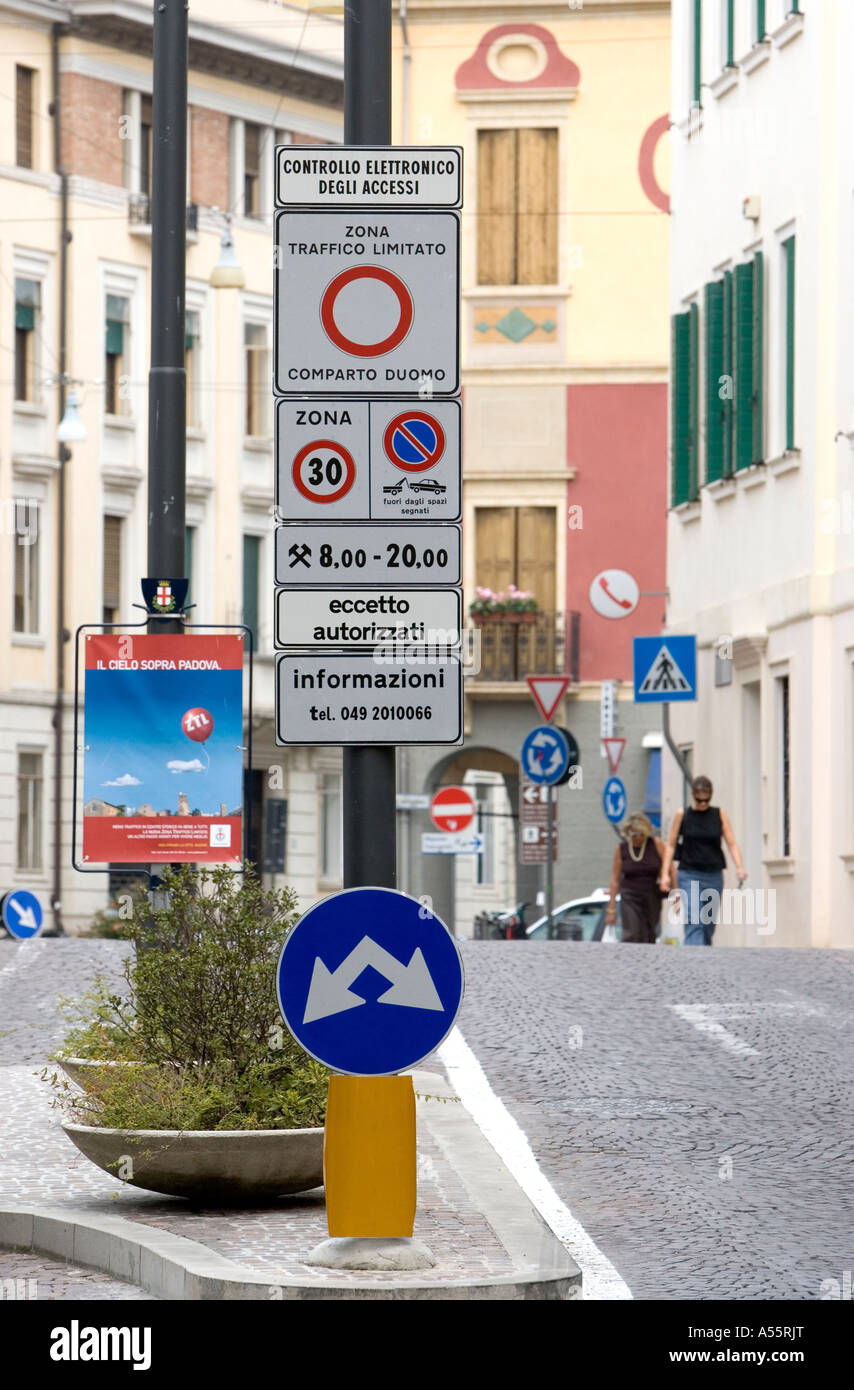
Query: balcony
[(139, 216), (546, 644)]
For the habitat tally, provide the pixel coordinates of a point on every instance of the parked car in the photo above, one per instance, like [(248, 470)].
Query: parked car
[(581, 919)]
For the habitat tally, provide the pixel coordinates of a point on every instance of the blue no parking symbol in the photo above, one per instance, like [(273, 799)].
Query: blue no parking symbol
[(414, 440)]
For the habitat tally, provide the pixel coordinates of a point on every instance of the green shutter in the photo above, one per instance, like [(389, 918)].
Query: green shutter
[(27, 300), (694, 401), (757, 398), (730, 33), (789, 247), (698, 51), (743, 365), (679, 409), (760, 20), (728, 371), (715, 420), (115, 338), (251, 548), (25, 316)]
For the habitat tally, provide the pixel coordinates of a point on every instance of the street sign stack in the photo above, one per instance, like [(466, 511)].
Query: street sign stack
[(368, 459), (534, 823)]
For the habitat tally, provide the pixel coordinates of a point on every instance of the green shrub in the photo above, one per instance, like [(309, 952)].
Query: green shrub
[(197, 1012)]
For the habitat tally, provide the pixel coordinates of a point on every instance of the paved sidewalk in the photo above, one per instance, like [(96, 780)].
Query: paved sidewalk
[(486, 1238)]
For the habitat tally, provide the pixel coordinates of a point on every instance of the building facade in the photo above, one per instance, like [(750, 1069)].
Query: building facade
[(562, 114), (759, 532)]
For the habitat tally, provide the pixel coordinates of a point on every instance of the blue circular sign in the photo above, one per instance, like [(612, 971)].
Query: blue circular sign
[(370, 982), (545, 755), (22, 914), (614, 800)]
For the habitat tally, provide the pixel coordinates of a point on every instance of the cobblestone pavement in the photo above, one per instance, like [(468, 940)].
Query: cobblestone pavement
[(692, 1108), (41, 1165), (25, 1276)]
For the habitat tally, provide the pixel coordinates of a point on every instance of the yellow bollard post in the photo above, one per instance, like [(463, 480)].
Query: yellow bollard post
[(369, 1163)]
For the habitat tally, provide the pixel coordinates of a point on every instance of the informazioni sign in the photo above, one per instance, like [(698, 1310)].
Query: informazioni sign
[(163, 769)]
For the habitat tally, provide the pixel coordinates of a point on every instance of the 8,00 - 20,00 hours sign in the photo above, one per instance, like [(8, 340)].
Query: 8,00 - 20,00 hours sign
[(366, 554)]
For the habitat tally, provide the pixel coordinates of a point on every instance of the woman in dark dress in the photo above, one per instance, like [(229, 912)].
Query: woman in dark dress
[(695, 841), (634, 875)]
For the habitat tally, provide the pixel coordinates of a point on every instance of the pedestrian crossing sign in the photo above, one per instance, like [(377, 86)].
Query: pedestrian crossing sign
[(665, 669)]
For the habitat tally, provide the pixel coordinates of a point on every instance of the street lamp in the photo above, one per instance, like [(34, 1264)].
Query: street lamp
[(71, 429), (227, 274)]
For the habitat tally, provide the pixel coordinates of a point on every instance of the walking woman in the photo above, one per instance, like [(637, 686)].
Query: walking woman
[(635, 875), (695, 841)]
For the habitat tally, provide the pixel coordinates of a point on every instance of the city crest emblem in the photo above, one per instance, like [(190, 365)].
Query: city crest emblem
[(164, 595)]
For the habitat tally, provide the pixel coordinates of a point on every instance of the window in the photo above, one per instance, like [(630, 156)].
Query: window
[(30, 802), (146, 144), (258, 381), (684, 393), (112, 568), (696, 52), (24, 91), (518, 545), (27, 317), (189, 558), (27, 560), (192, 351), (251, 169), (485, 862), (251, 571), (788, 249), (330, 826), (783, 767), (517, 242), (117, 344)]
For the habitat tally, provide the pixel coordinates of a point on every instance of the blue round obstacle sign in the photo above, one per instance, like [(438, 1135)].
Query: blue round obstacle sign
[(545, 755), (614, 800), (370, 982), (22, 914)]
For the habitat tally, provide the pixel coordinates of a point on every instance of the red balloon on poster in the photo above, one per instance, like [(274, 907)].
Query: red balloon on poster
[(197, 724)]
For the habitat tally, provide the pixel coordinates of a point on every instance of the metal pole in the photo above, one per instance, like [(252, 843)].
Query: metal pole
[(550, 868), (369, 783), (62, 634), (167, 385), (668, 738)]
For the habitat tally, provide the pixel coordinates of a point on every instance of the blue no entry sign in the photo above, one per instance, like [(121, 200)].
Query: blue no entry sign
[(370, 982), (414, 440), (665, 669), (22, 914), (614, 800), (545, 755)]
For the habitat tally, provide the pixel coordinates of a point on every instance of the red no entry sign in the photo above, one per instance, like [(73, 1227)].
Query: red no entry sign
[(384, 277), (414, 440), (452, 809)]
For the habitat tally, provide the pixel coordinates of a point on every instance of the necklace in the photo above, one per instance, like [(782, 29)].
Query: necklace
[(637, 857)]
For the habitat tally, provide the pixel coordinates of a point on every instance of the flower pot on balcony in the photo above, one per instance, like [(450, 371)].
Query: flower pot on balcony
[(520, 617), (483, 618)]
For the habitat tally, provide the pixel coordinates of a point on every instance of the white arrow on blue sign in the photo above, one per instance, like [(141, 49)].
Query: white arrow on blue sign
[(22, 914), (545, 755), (465, 842), (614, 800), (370, 982)]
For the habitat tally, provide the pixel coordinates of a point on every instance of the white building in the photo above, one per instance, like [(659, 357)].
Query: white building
[(762, 432)]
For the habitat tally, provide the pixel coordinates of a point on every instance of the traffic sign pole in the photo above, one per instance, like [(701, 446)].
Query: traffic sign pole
[(550, 870), (369, 780)]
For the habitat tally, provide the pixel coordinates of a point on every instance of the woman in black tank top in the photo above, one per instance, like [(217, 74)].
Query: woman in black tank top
[(635, 872), (695, 841)]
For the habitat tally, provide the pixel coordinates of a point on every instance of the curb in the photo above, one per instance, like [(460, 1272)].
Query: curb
[(173, 1267)]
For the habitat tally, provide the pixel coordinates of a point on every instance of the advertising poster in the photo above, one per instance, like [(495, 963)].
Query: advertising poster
[(163, 769)]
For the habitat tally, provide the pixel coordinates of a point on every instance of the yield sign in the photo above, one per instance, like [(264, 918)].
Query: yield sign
[(548, 691), (614, 749), (453, 809)]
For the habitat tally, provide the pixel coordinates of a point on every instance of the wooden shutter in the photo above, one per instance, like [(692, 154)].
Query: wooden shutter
[(112, 566), (789, 247), (715, 418), (495, 547), (760, 20), (743, 372), (679, 410), (24, 117), (728, 370), (537, 182), (535, 554), (757, 395), (730, 33), (698, 52), (693, 400), (496, 207)]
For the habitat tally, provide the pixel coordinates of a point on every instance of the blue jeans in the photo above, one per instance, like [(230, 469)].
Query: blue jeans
[(701, 900)]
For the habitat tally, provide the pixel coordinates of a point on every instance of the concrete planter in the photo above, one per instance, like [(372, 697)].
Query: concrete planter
[(234, 1166)]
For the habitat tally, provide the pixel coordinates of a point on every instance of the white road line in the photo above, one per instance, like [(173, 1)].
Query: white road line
[(698, 1016), (600, 1279), (27, 952)]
